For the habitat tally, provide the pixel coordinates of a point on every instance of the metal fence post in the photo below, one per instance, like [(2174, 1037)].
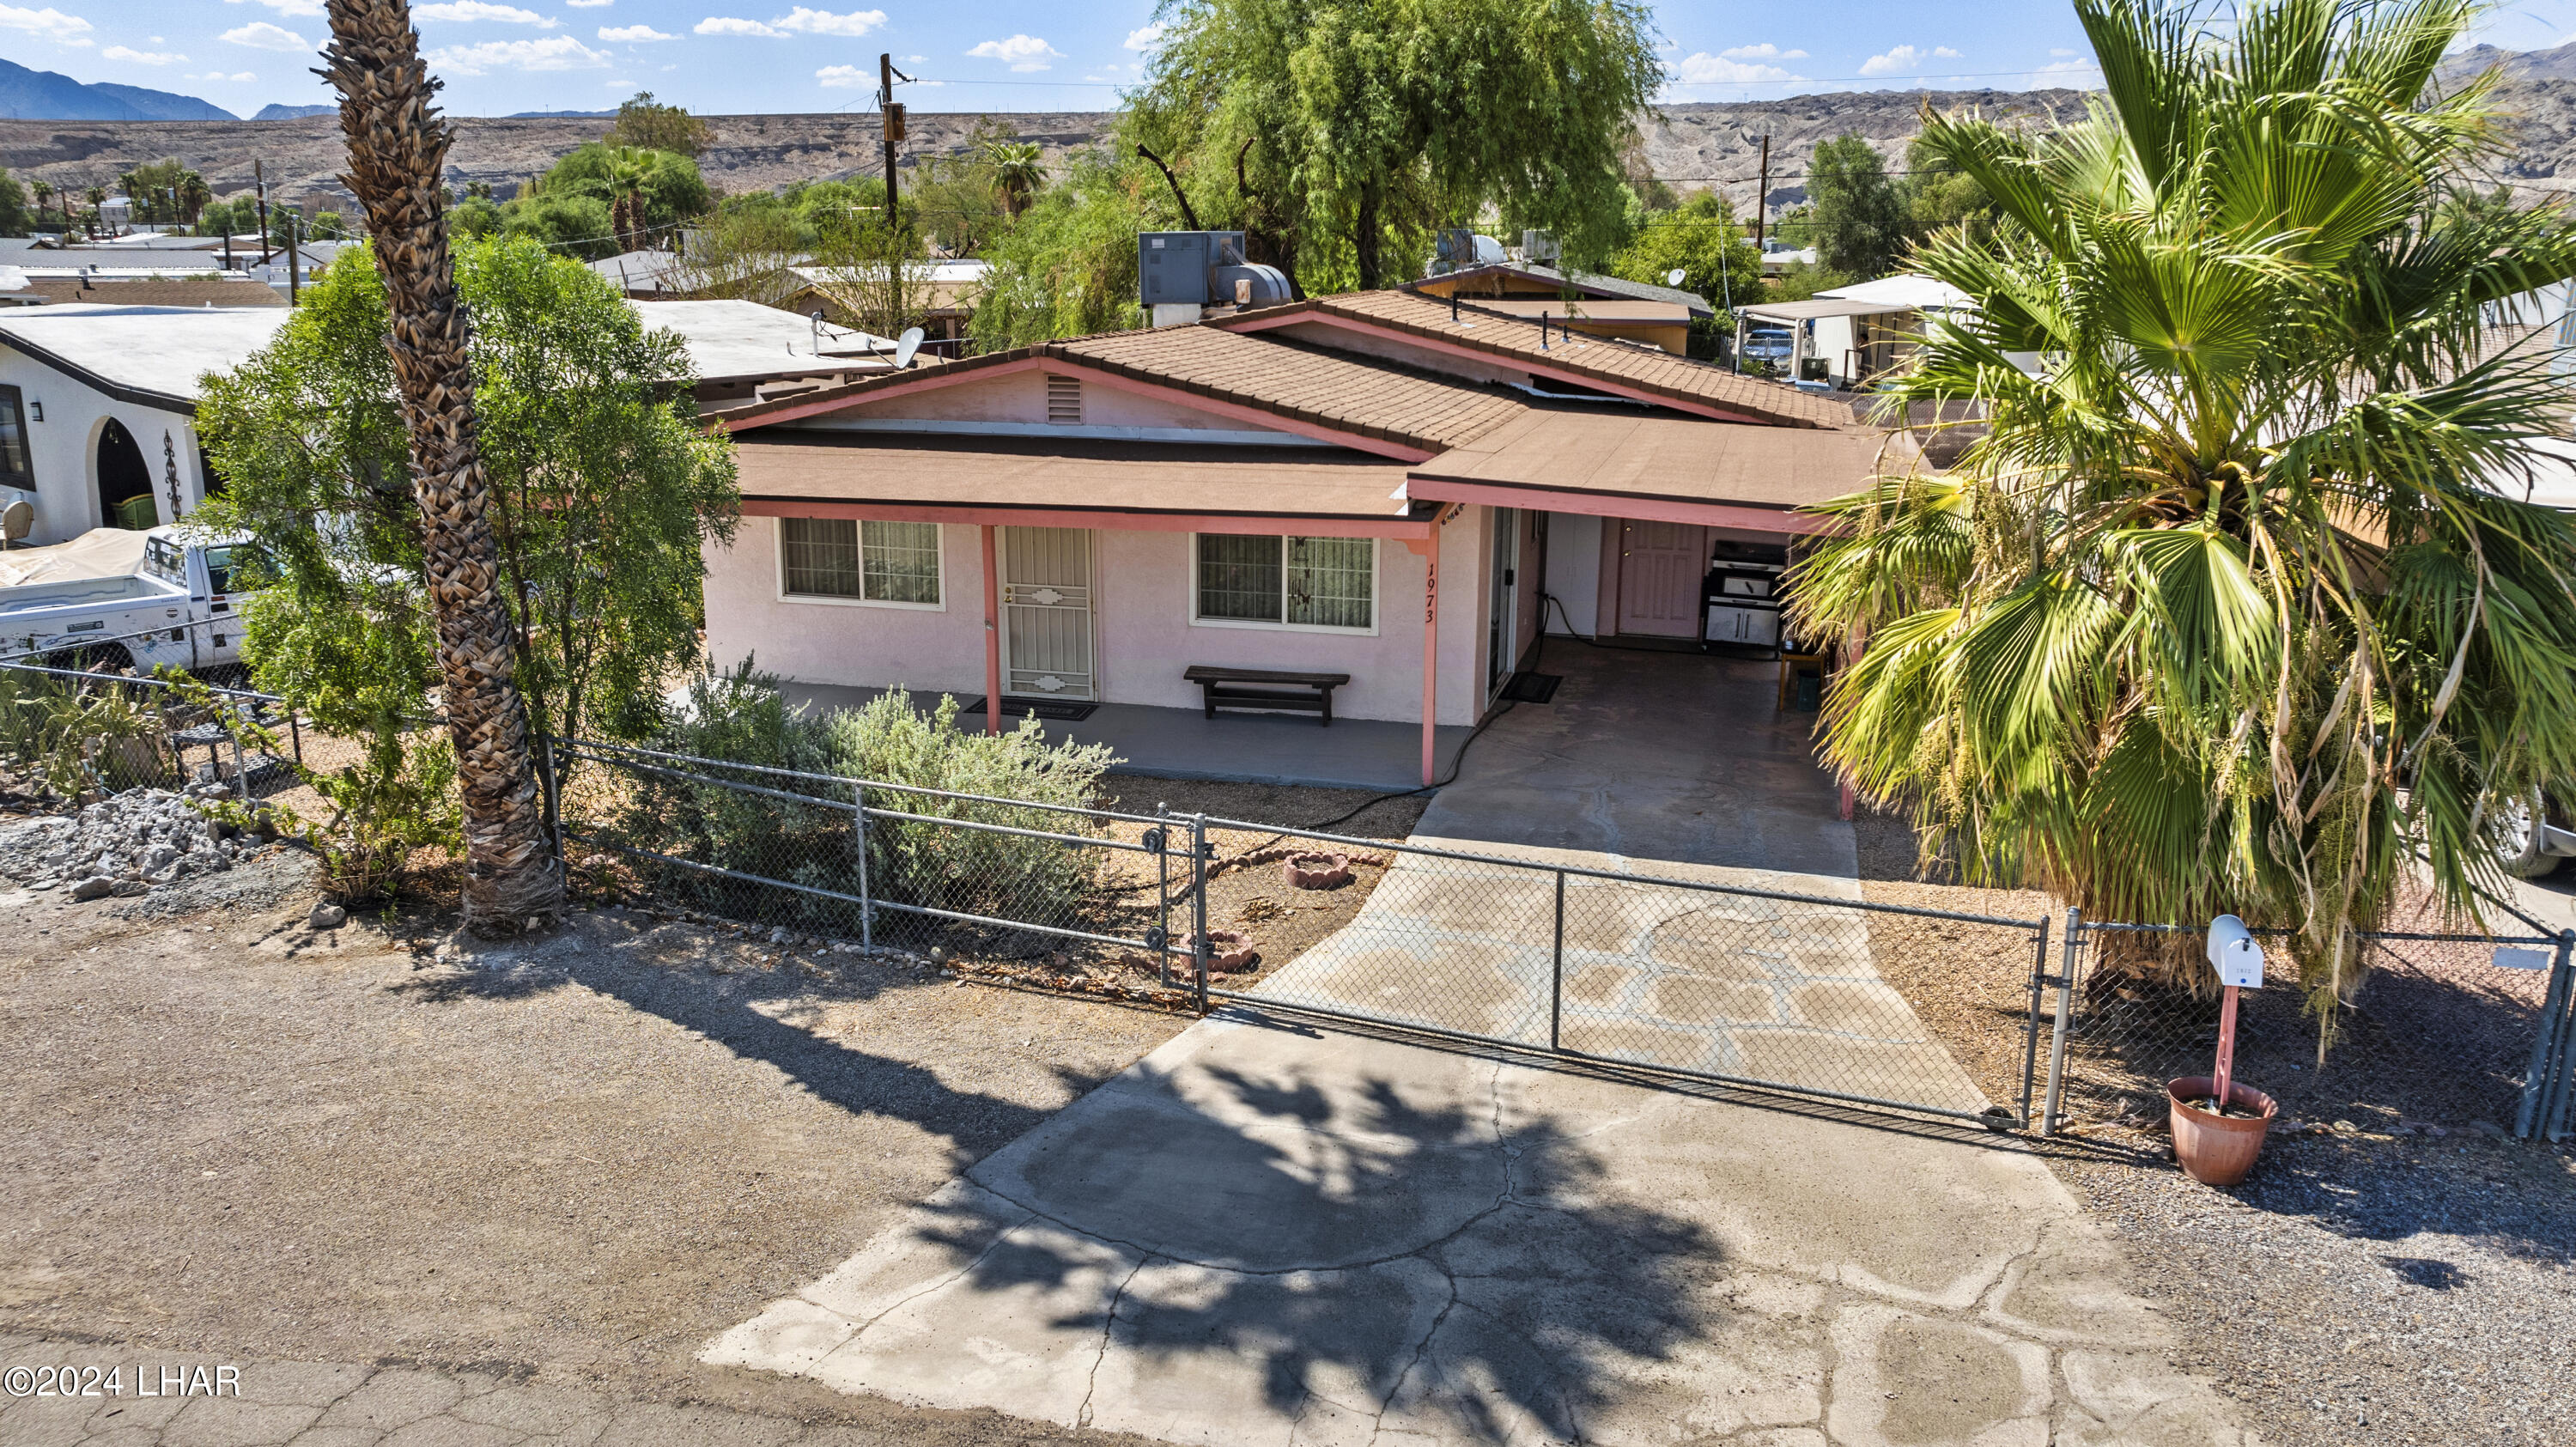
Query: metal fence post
[(2030, 1026), (867, 901), (2559, 1073), (2541, 1073), (553, 800), (1201, 953), (1556, 974), (241, 767), (2065, 1010), (1162, 832)]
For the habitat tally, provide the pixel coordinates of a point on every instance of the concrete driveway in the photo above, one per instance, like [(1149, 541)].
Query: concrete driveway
[(1265, 1232), (1260, 1234)]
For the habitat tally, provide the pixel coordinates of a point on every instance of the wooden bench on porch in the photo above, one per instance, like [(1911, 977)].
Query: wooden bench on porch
[(1268, 689)]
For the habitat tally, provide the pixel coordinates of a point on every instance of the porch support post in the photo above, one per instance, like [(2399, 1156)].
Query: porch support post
[(992, 637), (1429, 548)]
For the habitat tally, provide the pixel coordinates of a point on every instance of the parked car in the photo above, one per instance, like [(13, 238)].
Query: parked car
[(2537, 838), (1771, 345), (175, 610)]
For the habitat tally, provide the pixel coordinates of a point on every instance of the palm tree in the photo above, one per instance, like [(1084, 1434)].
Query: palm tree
[(628, 170), (1019, 170), (96, 196), (44, 192), (194, 197), (2235, 607), (396, 148)]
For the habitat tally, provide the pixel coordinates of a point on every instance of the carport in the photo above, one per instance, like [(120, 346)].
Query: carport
[(1839, 340)]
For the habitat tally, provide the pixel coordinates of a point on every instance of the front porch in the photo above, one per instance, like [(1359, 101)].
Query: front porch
[(1253, 748)]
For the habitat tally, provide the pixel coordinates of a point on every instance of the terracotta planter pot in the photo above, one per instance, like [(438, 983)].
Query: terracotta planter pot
[(1228, 951), (1316, 871), (2218, 1150)]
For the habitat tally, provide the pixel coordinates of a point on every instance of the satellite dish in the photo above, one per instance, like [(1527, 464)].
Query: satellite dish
[(905, 346), (16, 521), (1674, 276)]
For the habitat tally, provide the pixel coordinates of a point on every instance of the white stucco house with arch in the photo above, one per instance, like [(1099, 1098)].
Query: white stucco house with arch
[(98, 403)]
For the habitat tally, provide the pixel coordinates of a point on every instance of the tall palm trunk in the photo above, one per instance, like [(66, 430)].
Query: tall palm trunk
[(397, 150)]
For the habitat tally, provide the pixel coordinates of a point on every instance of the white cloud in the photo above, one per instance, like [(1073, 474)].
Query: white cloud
[(1024, 52), (1702, 68), (632, 34), (589, 4), (734, 25), (138, 57), (238, 75), (1944, 52), (473, 10), (824, 22), (1903, 57), (2067, 67), (260, 35), (1145, 39), (845, 77), (288, 7), (560, 52), (1765, 51), (49, 22), (2060, 54)]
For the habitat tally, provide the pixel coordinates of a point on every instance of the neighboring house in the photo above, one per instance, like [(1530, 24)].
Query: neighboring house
[(1595, 305), (1389, 485), (98, 403), (949, 291), (1854, 334)]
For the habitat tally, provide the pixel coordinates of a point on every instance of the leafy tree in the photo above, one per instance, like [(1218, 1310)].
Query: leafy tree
[(573, 205), (1701, 240), (157, 193), (15, 219), (602, 488), (1800, 280), (2234, 608), (1939, 195), (740, 254), (1069, 266), (326, 225), (1352, 128), (875, 275), (647, 124), (1861, 224)]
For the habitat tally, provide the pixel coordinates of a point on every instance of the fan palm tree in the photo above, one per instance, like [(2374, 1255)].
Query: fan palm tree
[(397, 145), (628, 169), (2236, 607), (44, 191), (194, 197), (1019, 170)]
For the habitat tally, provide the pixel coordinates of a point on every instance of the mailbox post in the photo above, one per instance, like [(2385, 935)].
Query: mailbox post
[(2239, 962)]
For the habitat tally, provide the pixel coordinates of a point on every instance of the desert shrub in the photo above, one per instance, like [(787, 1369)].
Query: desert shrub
[(738, 718), (73, 740), (396, 800)]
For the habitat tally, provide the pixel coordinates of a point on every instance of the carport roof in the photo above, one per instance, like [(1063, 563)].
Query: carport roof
[(1636, 464)]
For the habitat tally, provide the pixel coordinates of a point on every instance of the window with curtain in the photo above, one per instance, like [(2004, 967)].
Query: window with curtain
[(1293, 581), (871, 561)]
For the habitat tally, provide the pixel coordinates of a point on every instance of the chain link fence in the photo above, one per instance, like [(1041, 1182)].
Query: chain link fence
[(67, 734), (2447, 1031)]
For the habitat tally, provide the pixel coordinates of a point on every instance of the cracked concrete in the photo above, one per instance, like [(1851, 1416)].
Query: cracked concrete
[(1262, 1233)]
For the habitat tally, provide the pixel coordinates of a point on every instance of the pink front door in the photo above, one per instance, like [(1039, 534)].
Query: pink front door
[(1660, 569)]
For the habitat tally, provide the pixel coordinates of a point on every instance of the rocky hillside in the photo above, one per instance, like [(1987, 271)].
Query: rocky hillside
[(1691, 145)]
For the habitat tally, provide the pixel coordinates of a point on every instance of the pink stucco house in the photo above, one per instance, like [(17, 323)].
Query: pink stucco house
[(1385, 485)]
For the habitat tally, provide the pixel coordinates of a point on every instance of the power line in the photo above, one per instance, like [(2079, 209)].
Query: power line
[(1694, 84)]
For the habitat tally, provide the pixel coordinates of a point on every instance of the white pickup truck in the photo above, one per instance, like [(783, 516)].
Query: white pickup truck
[(174, 610)]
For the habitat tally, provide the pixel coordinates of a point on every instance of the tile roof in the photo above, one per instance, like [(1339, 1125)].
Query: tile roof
[(1360, 396), (1638, 371)]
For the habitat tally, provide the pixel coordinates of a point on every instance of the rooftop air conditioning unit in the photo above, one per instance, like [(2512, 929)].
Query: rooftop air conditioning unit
[(1453, 249), (1537, 246), (1184, 269)]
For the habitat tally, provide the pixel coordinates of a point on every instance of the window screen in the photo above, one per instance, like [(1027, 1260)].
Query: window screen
[(878, 561), (902, 561), (1305, 582), (1239, 577), (822, 556)]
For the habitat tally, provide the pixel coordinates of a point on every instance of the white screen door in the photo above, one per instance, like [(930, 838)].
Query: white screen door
[(1046, 613)]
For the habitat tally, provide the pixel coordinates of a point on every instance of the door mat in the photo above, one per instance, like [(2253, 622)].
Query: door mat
[(1532, 687), (1062, 710)]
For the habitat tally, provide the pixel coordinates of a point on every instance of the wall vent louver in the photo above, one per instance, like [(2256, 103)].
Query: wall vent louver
[(1064, 400)]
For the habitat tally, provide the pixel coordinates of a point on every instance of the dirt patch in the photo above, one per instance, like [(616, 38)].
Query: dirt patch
[(578, 1156)]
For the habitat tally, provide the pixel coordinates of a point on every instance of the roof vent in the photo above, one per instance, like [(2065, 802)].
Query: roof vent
[(1064, 400)]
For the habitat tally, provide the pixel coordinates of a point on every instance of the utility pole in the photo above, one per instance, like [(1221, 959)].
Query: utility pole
[(259, 189), (1762, 197), (887, 75), (294, 295)]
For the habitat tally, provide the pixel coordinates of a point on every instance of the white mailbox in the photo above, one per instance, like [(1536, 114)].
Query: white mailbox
[(2234, 954)]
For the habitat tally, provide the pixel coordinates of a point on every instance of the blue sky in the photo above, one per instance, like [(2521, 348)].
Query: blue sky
[(721, 56)]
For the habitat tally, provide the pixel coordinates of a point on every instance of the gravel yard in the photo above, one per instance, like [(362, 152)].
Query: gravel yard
[(2363, 1288), (570, 1160)]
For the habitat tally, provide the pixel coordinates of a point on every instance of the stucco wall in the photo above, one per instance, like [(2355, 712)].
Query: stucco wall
[(63, 449), (1144, 636), (1574, 571)]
